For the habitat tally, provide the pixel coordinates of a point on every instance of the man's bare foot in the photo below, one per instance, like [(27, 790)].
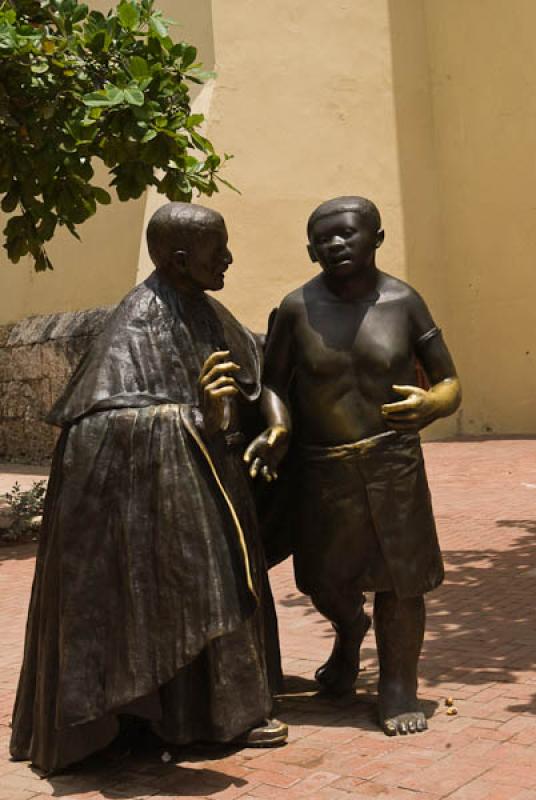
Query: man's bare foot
[(399, 713), (409, 722), (338, 675)]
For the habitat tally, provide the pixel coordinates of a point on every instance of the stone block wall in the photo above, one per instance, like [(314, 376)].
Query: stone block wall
[(37, 357)]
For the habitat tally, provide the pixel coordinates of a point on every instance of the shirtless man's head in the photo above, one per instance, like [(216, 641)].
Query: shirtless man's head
[(188, 243), (344, 234)]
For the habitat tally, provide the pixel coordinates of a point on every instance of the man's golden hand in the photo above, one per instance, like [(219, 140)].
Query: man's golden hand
[(420, 407), (216, 384), (266, 451), (414, 412)]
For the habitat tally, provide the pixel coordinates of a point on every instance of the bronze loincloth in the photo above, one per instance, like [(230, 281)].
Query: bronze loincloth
[(365, 518)]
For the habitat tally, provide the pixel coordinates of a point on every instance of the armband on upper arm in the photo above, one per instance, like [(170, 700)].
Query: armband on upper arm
[(431, 334)]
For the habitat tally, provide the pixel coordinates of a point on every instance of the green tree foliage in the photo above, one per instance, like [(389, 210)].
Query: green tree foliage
[(76, 86)]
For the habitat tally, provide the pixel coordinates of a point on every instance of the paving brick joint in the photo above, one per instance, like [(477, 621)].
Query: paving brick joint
[(480, 650)]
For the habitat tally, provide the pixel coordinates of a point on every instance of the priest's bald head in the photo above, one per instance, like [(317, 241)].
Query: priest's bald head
[(188, 244)]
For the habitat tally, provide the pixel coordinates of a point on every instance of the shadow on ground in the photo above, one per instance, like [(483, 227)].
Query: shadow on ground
[(143, 772), (17, 552), (481, 622), (302, 703)]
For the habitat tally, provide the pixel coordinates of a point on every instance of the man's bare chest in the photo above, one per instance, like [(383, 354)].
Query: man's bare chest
[(368, 339)]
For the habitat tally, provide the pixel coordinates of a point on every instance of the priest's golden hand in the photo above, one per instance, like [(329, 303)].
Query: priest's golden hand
[(265, 453), (216, 384)]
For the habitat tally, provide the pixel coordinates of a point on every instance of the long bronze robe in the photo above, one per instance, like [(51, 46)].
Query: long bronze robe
[(150, 594)]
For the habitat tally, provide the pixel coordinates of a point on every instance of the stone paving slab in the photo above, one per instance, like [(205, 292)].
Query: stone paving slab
[(480, 649)]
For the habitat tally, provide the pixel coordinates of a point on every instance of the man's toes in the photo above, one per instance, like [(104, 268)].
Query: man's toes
[(404, 724)]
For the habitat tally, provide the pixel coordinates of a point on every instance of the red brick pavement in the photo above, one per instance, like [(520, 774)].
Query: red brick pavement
[(480, 649)]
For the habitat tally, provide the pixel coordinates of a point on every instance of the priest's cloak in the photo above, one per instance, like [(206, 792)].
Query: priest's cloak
[(150, 595)]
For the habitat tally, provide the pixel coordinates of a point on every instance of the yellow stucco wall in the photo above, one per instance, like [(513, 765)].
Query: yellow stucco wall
[(426, 263), (339, 102), (304, 101), (483, 85), (426, 106)]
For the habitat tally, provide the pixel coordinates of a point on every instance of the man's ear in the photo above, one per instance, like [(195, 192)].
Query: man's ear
[(380, 236), (312, 254)]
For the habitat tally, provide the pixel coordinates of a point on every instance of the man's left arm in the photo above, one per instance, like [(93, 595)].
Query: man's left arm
[(420, 406)]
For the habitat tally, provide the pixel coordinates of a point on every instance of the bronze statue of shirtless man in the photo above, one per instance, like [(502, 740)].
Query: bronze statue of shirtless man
[(341, 366)]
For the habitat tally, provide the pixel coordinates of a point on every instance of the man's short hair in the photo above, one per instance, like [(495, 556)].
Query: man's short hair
[(361, 205), (174, 226)]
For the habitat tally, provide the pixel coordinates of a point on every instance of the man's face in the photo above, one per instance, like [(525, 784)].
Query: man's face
[(208, 257), (343, 242)]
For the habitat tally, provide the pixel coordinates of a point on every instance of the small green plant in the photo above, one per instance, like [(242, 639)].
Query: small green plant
[(29, 502), (76, 87)]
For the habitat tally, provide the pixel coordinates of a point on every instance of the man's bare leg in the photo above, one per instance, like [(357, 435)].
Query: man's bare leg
[(399, 625), (350, 623)]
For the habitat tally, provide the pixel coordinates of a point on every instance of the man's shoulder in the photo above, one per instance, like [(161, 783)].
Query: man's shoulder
[(294, 302), (395, 290)]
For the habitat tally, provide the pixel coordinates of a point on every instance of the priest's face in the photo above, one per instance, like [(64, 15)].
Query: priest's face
[(208, 257)]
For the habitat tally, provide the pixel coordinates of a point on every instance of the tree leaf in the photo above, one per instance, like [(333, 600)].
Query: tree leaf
[(196, 73), (151, 134), (158, 26), (189, 55), (80, 13), (129, 14), (40, 67), (101, 196), (134, 96), (42, 261), (194, 120), (112, 96), (201, 142), (47, 226), (139, 68), (82, 87), (16, 248), (11, 199)]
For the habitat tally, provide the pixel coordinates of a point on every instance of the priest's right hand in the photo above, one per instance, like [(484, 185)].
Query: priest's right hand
[(216, 383)]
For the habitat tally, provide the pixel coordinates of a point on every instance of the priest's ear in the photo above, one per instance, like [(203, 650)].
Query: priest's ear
[(177, 261)]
